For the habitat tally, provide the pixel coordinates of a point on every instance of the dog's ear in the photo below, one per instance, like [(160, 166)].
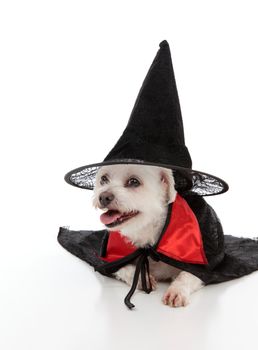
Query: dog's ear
[(168, 181)]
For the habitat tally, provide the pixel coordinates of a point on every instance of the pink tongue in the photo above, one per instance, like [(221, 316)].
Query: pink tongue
[(109, 217)]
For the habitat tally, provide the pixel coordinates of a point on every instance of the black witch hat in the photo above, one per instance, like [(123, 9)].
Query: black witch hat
[(154, 135)]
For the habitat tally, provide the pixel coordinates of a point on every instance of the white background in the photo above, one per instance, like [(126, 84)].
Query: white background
[(69, 75)]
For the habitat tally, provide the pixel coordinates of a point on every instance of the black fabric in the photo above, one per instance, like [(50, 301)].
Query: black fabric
[(240, 255), (211, 229), (154, 135), (228, 257), (155, 130)]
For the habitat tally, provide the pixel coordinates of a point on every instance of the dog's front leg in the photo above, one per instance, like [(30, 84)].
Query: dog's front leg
[(126, 274), (178, 293)]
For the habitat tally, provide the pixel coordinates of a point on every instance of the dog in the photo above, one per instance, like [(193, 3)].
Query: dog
[(134, 199)]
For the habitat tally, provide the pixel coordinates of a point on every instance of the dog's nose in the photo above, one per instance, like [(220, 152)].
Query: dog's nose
[(105, 198)]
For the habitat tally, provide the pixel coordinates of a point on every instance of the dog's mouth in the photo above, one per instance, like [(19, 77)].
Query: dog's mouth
[(113, 218)]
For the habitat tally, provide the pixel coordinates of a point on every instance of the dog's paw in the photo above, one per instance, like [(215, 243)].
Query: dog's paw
[(152, 281), (176, 296)]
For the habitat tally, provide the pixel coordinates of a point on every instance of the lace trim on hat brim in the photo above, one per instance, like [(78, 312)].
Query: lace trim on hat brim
[(187, 181)]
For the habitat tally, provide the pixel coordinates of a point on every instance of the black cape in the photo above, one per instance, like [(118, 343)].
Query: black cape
[(228, 257)]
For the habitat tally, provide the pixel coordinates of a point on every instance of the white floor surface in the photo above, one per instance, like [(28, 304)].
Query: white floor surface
[(58, 302)]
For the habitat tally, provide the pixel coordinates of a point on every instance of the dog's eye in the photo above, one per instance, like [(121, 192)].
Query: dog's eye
[(132, 182), (103, 180)]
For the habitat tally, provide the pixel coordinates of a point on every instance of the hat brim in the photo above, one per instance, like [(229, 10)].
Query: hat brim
[(187, 181)]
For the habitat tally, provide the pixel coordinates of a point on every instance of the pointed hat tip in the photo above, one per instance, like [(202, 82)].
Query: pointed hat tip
[(163, 43)]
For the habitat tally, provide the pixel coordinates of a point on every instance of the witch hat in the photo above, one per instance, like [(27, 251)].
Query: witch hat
[(154, 135)]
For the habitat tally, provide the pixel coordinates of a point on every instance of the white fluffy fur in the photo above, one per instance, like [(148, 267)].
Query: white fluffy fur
[(151, 199)]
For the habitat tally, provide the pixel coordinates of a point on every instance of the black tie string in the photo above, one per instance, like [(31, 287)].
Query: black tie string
[(142, 267)]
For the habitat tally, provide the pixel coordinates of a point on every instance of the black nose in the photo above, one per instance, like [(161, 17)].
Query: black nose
[(105, 198)]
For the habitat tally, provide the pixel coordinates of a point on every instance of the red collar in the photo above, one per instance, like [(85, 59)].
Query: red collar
[(181, 239)]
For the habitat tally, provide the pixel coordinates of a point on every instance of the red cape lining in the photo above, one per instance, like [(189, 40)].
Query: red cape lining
[(182, 239)]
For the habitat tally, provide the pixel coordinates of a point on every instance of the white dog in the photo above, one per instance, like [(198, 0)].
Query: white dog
[(135, 201)]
